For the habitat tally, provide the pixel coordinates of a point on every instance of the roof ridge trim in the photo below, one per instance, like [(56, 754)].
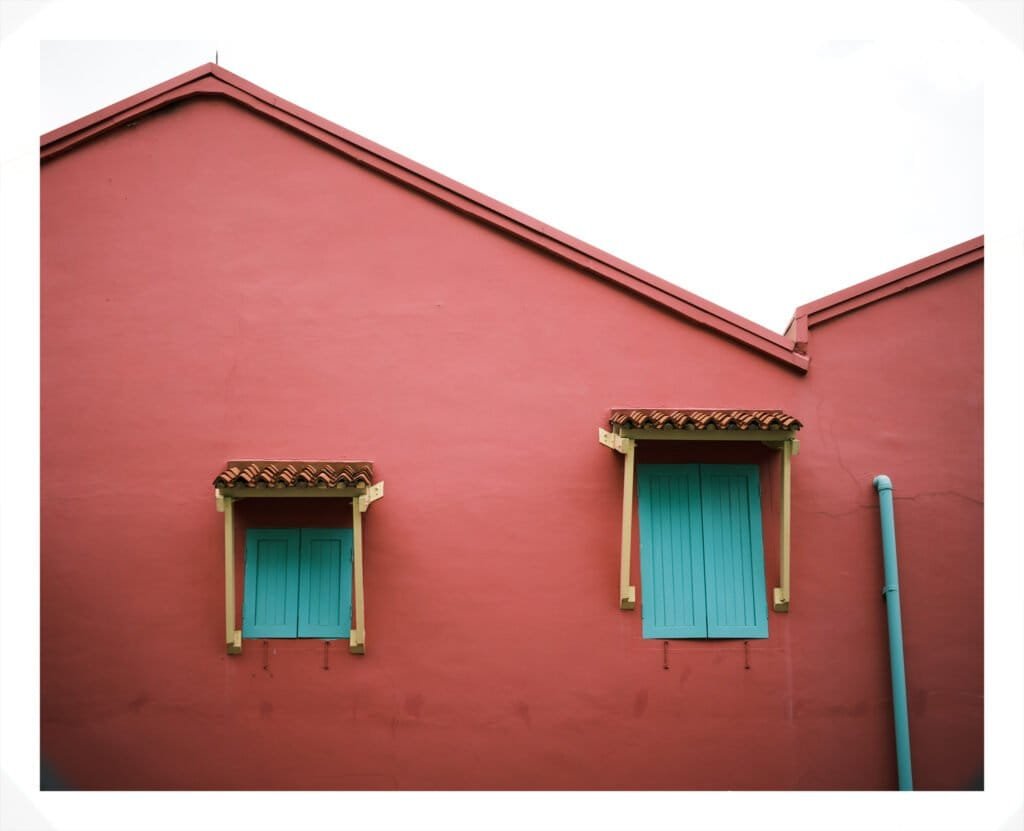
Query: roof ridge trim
[(898, 279)]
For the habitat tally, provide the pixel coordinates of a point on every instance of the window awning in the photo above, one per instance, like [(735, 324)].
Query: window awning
[(706, 421), (249, 478), (252, 478), (773, 428)]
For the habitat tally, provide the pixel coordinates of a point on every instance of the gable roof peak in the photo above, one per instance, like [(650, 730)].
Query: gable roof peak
[(213, 79)]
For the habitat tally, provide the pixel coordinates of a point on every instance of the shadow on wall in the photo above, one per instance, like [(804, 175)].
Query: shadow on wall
[(49, 780)]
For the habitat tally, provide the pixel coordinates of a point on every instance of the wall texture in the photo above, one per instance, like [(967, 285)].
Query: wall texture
[(216, 287)]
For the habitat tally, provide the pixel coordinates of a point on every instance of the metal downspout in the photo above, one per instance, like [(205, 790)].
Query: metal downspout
[(891, 592)]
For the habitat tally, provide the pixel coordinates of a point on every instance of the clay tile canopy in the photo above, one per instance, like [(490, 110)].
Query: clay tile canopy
[(294, 474), (655, 419)]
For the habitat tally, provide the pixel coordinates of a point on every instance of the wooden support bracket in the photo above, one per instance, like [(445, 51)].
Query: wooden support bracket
[(612, 440), (780, 595), (357, 635), (233, 636), (626, 446), (373, 493), (627, 592), (779, 445)]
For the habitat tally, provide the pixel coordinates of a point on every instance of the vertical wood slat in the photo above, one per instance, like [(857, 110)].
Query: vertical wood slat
[(671, 552), (325, 583), (733, 551), (270, 606)]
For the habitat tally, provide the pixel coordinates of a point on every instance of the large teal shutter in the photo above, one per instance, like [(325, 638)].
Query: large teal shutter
[(271, 583), (671, 558), (325, 583), (733, 552)]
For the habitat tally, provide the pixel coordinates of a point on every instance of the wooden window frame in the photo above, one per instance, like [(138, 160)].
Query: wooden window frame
[(361, 498), (623, 440)]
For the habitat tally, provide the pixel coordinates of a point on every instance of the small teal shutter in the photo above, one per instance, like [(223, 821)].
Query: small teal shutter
[(325, 583), (733, 551), (271, 583), (671, 560)]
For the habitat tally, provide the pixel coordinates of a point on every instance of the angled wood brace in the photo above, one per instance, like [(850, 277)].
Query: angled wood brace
[(780, 595)]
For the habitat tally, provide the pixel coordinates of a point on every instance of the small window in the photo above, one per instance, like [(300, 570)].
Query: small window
[(701, 553), (298, 583)]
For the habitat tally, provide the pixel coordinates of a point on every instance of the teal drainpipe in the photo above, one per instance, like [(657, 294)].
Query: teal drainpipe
[(891, 593)]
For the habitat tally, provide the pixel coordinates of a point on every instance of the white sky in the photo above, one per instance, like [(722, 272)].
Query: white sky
[(759, 154)]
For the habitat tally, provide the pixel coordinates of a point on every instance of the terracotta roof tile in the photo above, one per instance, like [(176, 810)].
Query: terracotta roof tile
[(291, 474), (654, 419)]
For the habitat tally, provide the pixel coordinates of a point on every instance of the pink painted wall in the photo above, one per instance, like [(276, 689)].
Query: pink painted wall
[(216, 287)]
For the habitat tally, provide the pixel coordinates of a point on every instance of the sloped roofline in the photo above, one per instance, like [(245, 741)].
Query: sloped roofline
[(213, 80), (857, 296)]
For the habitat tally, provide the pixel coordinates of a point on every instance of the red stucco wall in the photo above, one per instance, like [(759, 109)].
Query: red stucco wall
[(216, 287), (896, 388)]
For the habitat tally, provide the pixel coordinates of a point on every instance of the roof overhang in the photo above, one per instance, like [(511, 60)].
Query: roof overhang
[(670, 424), (262, 478)]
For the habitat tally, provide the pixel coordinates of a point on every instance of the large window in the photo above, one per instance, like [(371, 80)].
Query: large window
[(701, 554), (298, 583)]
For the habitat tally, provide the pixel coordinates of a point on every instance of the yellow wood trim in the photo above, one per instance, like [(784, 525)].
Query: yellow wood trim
[(306, 493), (627, 593), (219, 500), (229, 577), (780, 597), (235, 645), (778, 445), (375, 492), (708, 435), (612, 440), (357, 637)]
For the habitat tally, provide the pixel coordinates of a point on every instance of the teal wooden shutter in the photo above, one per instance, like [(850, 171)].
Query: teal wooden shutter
[(271, 583), (325, 583), (671, 558), (733, 551)]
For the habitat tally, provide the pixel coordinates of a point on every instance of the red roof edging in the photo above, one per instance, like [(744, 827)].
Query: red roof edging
[(885, 285), (212, 79)]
